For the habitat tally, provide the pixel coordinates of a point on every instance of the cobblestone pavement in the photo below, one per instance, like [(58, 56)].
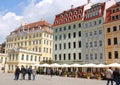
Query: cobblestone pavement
[(8, 79)]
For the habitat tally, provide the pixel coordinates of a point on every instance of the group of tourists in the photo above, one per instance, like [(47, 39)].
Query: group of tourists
[(113, 75), (23, 71)]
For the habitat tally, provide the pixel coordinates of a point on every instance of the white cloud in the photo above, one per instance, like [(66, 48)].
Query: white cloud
[(8, 23)]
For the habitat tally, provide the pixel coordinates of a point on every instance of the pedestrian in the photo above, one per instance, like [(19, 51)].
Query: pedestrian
[(17, 72), (51, 72), (116, 76), (29, 72), (109, 76), (34, 73), (23, 72)]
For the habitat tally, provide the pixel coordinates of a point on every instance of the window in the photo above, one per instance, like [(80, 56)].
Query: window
[(114, 28), (100, 43), (69, 56), (109, 41), (79, 33), (101, 56), (95, 43), (116, 54), (69, 45), (91, 56), (64, 36), (79, 44), (86, 34), (22, 58), (64, 45), (60, 29), (100, 21), (69, 35), (64, 56), (90, 33), (69, 27), (87, 57), (59, 56), (86, 45), (74, 56), (74, 26), (55, 46), (56, 30), (55, 57), (60, 37), (74, 44), (108, 30), (64, 28), (115, 41), (60, 47), (27, 57), (35, 58), (95, 32), (79, 56), (74, 34), (95, 23), (100, 31), (91, 44), (79, 25), (109, 55), (95, 55)]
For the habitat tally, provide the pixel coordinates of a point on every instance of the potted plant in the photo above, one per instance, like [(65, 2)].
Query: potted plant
[(88, 75), (98, 77), (76, 75), (65, 73)]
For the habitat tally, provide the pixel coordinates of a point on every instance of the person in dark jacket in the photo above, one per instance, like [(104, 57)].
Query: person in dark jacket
[(51, 72), (29, 72), (17, 72), (23, 72), (116, 76)]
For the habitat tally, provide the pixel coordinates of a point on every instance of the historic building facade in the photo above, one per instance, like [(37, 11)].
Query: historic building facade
[(112, 34), (93, 38), (36, 37), (67, 35)]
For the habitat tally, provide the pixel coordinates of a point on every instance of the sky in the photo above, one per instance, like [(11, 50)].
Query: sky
[(13, 13)]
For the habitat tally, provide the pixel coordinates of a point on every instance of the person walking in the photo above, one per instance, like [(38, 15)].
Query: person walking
[(51, 72), (109, 76), (29, 72), (34, 73), (116, 76), (17, 72), (23, 72)]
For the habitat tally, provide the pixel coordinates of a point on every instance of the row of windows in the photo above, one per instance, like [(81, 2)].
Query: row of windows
[(115, 40), (94, 23), (96, 13), (115, 9), (115, 55), (29, 43), (113, 29), (24, 57), (94, 56), (93, 9), (75, 34), (29, 37), (67, 56), (115, 17), (68, 28), (94, 44), (93, 33), (69, 45), (70, 14)]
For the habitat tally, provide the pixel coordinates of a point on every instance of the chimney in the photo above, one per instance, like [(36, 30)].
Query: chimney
[(88, 1), (72, 6)]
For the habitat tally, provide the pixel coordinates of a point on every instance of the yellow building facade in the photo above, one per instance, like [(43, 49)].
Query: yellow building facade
[(36, 37), (112, 34)]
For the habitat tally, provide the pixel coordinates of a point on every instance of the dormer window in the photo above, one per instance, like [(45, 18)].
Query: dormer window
[(74, 17), (61, 16), (75, 12), (65, 20), (79, 16), (60, 21), (56, 22), (80, 10)]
